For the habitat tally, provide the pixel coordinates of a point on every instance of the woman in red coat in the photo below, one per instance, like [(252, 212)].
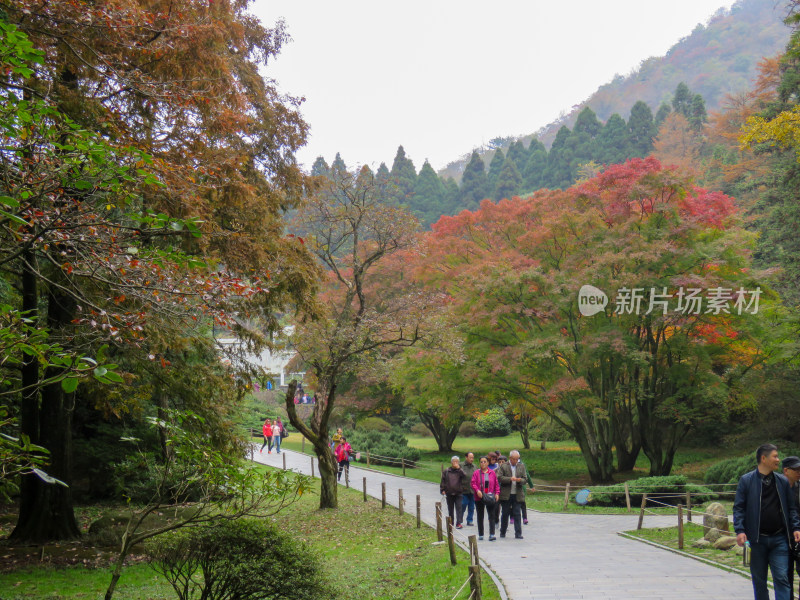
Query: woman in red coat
[(267, 429)]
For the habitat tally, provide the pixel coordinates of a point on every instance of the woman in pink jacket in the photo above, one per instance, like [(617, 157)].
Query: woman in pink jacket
[(484, 481)]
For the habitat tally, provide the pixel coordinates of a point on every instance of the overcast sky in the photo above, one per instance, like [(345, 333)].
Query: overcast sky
[(442, 77)]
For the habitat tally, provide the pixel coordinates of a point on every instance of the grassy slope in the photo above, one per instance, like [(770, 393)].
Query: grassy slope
[(372, 553)]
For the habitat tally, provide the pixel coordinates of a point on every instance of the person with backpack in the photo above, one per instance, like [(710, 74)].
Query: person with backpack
[(468, 501), (450, 487), (342, 453), (266, 429), (486, 489)]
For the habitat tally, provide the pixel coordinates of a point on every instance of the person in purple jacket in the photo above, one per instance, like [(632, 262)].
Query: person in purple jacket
[(484, 481)]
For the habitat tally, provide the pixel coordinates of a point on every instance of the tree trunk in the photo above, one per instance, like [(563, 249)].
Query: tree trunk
[(49, 514), (317, 434), (444, 435), (29, 414), (526, 438)]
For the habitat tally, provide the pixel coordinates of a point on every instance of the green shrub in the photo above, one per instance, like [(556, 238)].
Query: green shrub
[(493, 423), (246, 559), (392, 445), (373, 424), (729, 470), (662, 489)]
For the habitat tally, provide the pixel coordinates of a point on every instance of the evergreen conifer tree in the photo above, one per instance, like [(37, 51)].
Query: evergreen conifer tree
[(613, 142), (404, 176), (320, 168), (518, 154), (509, 182), (697, 116), (498, 160), (642, 130), (533, 175), (473, 183), (428, 195), (661, 115), (338, 167), (682, 100), (558, 174)]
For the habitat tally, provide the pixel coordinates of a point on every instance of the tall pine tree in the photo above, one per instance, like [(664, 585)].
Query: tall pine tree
[(473, 183), (642, 130), (428, 195), (498, 160), (509, 181)]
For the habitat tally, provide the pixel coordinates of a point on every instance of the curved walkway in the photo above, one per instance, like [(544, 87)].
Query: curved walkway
[(563, 556)]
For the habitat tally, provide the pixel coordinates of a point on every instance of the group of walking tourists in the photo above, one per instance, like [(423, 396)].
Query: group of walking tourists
[(495, 488), (766, 518), (273, 434)]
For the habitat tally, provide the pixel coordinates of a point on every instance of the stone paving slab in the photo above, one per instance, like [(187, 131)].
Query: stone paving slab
[(563, 556)]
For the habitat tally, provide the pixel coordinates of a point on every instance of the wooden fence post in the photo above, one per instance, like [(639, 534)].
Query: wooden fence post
[(347, 476), (400, 500), (473, 549), (641, 512), (312, 466), (566, 496), (627, 496), (475, 582), (365, 489), (439, 536), (367, 456), (303, 449), (688, 507), (680, 526), (284, 460), (383, 494), (451, 541), (419, 511), (403, 460)]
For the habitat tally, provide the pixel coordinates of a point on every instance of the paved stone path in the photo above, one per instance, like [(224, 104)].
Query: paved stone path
[(563, 556)]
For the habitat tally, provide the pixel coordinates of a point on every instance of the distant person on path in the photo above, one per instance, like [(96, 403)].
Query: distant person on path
[(451, 487), (342, 453), (468, 498), (765, 515), (484, 481), (267, 431), (511, 476), (277, 434), (337, 437), (528, 473), (791, 470)]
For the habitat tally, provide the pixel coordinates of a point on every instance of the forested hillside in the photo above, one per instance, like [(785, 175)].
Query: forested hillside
[(621, 120), (717, 59)]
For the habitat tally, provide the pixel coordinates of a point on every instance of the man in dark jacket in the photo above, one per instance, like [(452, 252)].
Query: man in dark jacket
[(451, 487), (765, 514), (468, 499), (511, 476)]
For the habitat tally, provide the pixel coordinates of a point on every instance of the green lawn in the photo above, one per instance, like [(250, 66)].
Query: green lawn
[(372, 553), (668, 536)]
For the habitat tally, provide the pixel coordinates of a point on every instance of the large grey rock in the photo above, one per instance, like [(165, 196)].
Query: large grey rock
[(712, 535), (715, 516), (701, 543), (726, 542)]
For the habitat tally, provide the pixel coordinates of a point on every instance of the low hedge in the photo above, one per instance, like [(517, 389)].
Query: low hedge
[(662, 489), (392, 445)]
